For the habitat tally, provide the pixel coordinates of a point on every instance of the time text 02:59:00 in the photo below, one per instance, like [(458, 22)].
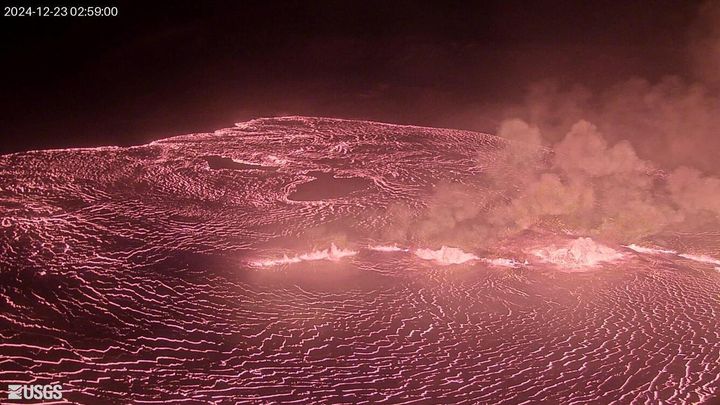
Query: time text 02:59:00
[(60, 11)]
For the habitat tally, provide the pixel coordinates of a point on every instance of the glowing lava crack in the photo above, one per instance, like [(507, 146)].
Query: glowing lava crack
[(579, 253), (446, 255), (332, 253)]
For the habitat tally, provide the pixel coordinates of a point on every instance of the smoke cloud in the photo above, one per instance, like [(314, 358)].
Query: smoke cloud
[(620, 164), (583, 185), (671, 121)]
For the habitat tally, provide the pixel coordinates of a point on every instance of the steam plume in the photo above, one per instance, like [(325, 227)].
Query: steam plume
[(592, 180), (587, 185)]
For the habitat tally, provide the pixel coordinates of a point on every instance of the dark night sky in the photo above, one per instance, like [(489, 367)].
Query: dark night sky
[(166, 68)]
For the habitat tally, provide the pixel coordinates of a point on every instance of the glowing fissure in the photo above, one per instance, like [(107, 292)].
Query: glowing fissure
[(502, 262), (700, 258), (333, 253), (581, 252), (446, 255), (643, 249), (388, 248), (451, 255), (697, 258)]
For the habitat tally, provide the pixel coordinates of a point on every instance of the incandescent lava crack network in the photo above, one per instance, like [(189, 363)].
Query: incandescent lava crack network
[(248, 265)]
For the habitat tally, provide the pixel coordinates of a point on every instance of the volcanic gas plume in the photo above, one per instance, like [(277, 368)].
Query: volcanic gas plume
[(581, 185)]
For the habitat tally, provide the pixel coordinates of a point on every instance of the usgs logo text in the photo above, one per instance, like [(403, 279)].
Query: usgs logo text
[(34, 391)]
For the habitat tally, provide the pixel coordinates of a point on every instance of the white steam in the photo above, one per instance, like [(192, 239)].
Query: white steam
[(586, 185)]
